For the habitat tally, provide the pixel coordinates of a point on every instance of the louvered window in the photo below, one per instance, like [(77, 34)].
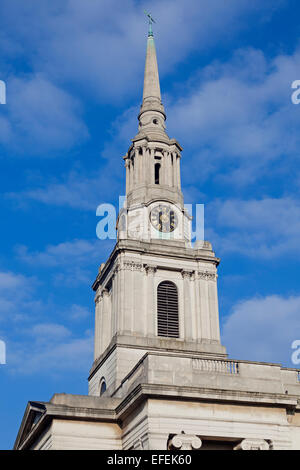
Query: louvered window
[(167, 310)]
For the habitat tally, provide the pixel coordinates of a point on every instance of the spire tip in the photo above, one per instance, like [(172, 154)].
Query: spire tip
[(151, 20)]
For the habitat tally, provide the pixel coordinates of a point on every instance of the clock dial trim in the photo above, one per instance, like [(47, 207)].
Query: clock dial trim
[(164, 218)]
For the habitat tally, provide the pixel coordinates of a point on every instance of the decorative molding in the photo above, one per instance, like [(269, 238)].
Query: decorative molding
[(116, 268), (101, 294), (114, 271), (207, 276), (132, 266), (150, 269), (98, 298), (253, 444), (185, 442), (187, 274)]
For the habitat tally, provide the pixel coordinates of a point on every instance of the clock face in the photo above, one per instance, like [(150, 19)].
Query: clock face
[(164, 218)]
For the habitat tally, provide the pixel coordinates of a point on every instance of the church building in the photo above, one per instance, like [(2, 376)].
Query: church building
[(161, 378)]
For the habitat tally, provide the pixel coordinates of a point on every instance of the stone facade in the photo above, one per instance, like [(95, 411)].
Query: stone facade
[(126, 318), (176, 391), (222, 404)]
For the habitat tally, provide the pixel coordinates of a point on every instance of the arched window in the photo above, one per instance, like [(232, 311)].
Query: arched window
[(156, 173), (167, 310), (102, 386)]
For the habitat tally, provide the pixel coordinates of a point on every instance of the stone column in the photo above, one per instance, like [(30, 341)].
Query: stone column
[(98, 323), (133, 171), (115, 299), (151, 307), (185, 442), (127, 176), (151, 179), (166, 169), (121, 296), (178, 172), (144, 165), (193, 303), (144, 304), (188, 328), (128, 305), (175, 180), (170, 170), (106, 322), (197, 307), (139, 320), (213, 306), (204, 305), (137, 166), (253, 444), (113, 305), (118, 294)]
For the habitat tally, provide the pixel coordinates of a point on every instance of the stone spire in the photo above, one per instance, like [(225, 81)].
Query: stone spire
[(153, 159), (152, 114), (151, 79)]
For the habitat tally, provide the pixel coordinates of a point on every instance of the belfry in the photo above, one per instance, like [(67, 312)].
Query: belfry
[(161, 378)]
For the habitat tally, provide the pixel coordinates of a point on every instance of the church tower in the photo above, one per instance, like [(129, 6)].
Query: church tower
[(161, 378), (156, 292)]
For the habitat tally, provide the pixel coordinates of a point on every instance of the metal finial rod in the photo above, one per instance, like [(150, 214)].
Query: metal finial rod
[(151, 20)]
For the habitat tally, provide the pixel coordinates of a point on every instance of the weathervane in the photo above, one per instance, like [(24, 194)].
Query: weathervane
[(151, 20)]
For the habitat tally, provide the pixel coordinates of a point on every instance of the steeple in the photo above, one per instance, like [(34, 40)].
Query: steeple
[(153, 159), (155, 293), (152, 114), (151, 92)]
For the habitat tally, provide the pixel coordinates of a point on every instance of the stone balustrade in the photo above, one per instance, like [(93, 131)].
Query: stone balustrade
[(211, 365)]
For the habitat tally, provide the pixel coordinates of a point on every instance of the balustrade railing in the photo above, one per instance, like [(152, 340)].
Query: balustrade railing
[(222, 367)]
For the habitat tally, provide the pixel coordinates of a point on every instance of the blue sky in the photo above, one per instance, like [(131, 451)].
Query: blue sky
[(74, 73)]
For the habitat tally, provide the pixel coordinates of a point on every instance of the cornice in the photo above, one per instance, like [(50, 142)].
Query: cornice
[(157, 248)]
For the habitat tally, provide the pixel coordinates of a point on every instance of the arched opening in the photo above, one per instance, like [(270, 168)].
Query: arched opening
[(102, 386), (167, 310), (156, 173)]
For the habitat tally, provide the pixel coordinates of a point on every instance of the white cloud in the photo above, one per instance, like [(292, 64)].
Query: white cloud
[(69, 263), (74, 252), (237, 118), (60, 352), (41, 117), (77, 191), (13, 282), (5, 130), (85, 191), (35, 344), (268, 228), (78, 312), (71, 276), (88, 44), (16, 297), (263, 329), (47, 331)]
